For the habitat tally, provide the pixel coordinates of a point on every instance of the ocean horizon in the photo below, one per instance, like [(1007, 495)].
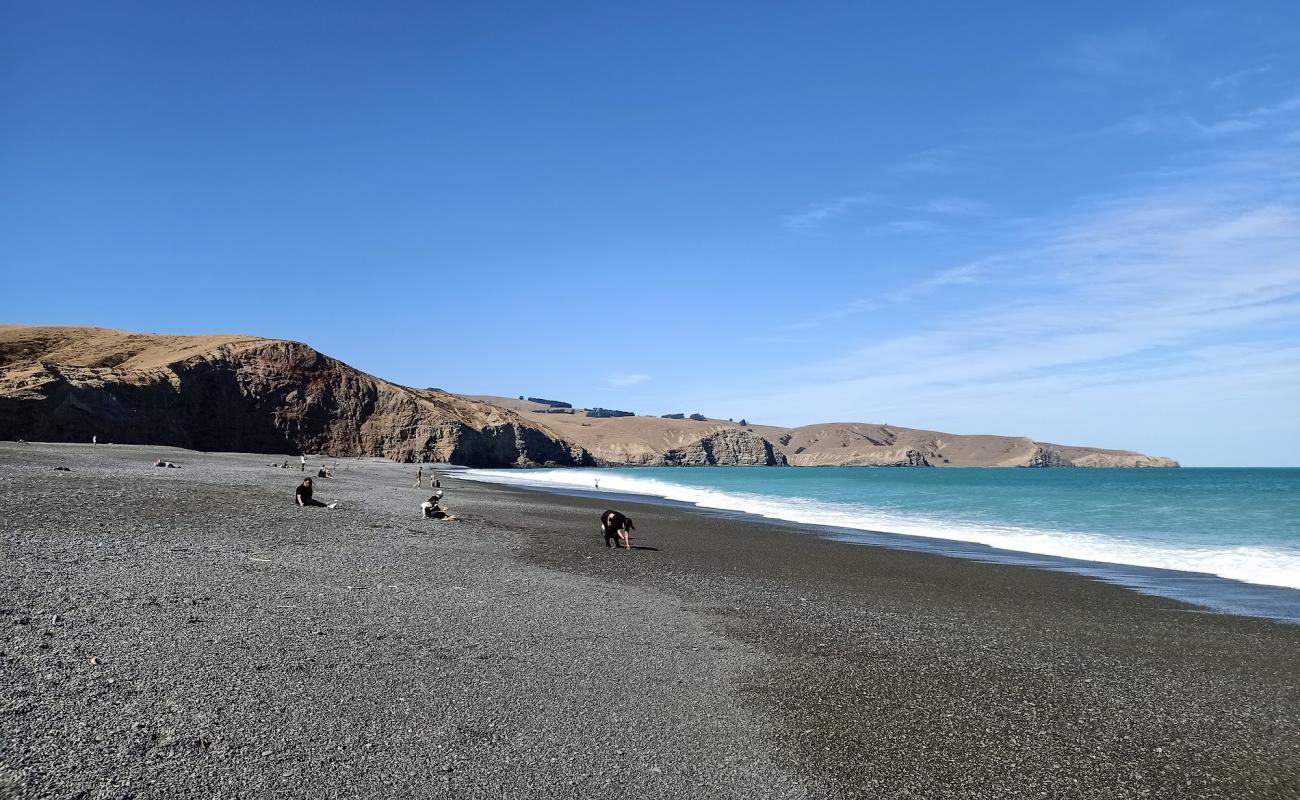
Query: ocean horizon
[(1224, 538)]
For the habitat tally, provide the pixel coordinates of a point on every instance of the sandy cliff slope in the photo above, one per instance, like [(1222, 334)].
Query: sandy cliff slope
[(243, 393)]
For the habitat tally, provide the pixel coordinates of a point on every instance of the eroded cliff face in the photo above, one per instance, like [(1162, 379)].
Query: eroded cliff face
[(734, 447), (1044, 457), (245, 394)]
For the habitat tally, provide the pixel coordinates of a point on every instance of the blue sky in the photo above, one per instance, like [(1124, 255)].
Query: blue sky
[(1081, 225)]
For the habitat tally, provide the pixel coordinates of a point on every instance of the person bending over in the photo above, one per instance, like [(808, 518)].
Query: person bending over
[(302, 496), (617, 528), (432, 508)]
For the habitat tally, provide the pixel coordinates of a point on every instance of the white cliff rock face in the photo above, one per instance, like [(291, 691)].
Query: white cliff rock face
[(1122, 460), (243, 393), (862, 457)]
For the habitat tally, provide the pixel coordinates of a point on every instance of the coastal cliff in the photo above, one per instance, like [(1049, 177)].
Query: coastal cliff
[(241, 393), (633, 440), (244, 393)]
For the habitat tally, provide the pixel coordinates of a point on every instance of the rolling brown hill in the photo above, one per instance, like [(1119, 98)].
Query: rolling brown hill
[(244, 393), (639, 440)]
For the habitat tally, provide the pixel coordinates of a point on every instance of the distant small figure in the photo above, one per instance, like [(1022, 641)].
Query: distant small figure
[(437, 483), (303, 457), (598, 484), (617, 528), (169, 464), (94, 439), (419, 477), (302, 496)]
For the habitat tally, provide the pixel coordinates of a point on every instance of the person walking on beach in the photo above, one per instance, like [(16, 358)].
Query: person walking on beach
[(419, 477), (303, 459), (302, 496), (617, 528)]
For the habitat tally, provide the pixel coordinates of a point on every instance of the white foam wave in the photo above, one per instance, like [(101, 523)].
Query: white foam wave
[(1258, 565)]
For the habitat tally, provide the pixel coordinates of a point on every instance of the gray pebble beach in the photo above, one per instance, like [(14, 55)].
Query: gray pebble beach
[(191, 633)]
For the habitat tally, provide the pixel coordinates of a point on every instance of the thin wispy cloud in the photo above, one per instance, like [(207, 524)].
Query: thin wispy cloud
[(1234, 80), (834, 313), (625, 379), (906, 226), (1188, 124), (952, 206), (1117, 54), (931, 161), (1187, 282), (954, 276), (817, 215), (823, 214)]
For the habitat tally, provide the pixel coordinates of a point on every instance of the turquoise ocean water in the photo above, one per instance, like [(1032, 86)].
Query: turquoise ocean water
[(1228, 539)]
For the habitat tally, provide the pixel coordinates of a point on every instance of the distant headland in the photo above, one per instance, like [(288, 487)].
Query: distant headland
[(250, 394)]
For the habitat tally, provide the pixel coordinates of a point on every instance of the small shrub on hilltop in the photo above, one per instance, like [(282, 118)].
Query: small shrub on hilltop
[(608, 412), (551, 403), (674, 416), (699, 417)]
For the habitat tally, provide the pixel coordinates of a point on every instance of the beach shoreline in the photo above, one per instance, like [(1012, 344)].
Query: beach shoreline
[(204, 636), (1210, 592)]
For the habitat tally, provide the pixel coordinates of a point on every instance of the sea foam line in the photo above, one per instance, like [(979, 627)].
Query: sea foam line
[(1257, 565)]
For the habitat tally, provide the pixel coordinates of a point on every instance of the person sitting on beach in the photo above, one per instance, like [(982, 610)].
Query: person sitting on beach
[(302, 496), (617, 528)]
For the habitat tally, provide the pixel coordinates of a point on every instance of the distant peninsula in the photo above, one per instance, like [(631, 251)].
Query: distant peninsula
[(250, 394)]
